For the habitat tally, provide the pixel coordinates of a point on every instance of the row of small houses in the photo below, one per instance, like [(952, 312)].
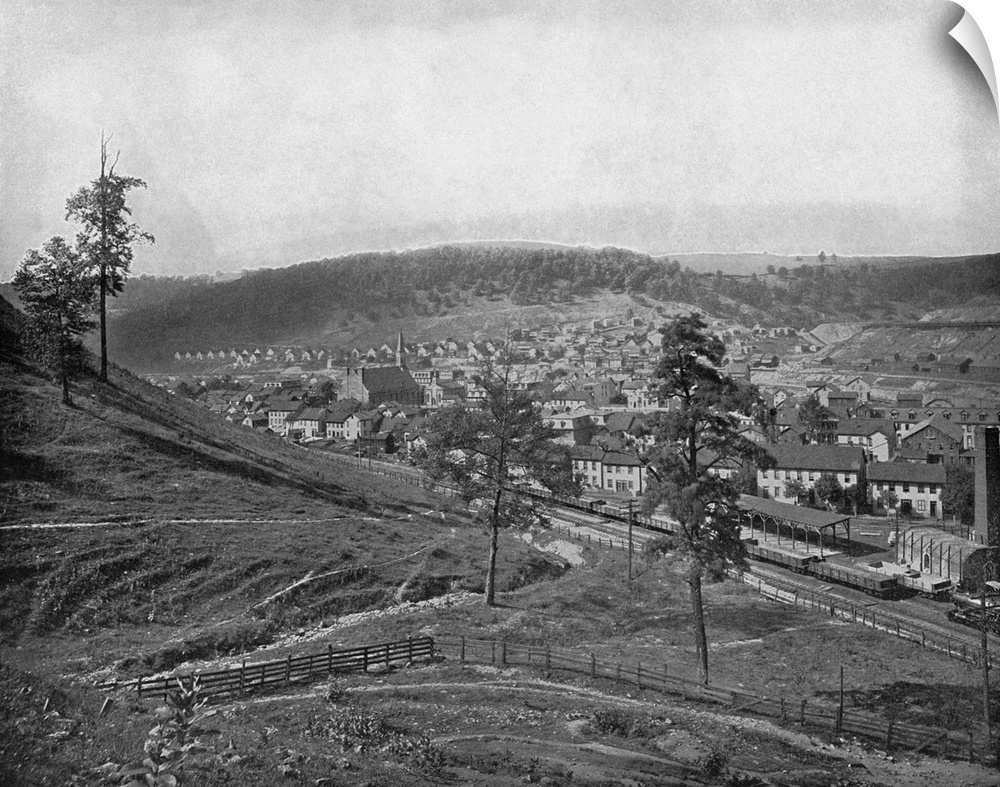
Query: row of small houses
[(917, 487)]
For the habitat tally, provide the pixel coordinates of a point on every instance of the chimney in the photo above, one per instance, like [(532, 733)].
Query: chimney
[(987, 470)]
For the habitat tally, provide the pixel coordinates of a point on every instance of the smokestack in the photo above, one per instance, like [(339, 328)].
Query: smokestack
[(987, 527)]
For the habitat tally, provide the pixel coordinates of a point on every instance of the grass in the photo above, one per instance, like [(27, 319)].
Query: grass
[(152, 593)]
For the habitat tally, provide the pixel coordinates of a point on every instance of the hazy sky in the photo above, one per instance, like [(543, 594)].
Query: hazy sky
[(276, 132)]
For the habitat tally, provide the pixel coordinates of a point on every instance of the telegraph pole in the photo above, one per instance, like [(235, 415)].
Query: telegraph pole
[(631, 502), (986, 664)]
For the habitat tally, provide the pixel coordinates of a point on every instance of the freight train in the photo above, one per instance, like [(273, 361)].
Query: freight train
[(867, 580), (879, 580)]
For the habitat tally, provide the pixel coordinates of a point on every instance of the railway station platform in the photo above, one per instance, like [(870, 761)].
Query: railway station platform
[(791, 526)]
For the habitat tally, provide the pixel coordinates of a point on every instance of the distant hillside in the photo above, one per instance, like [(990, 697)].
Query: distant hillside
[(465, 289)]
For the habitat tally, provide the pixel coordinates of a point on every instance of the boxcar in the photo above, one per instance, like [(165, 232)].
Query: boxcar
[(782, 557), (871, 582)]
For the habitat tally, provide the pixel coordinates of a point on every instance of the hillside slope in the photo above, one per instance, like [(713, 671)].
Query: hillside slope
[(435, 292)]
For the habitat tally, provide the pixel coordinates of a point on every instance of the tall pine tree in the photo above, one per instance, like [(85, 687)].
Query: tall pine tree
[(698, 432)]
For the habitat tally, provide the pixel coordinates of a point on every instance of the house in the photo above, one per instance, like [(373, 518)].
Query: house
[(278, 414), (372, 385), (917, 487), (337, 415), (570, 400), (255, 421), (876, 435), (806, 463), (311, 422), (942, 440), (570, 428), (843, 403), (608, 471), (641, 395), (860, 386)]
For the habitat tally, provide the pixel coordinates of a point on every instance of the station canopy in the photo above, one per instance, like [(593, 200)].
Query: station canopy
[(791, 514)]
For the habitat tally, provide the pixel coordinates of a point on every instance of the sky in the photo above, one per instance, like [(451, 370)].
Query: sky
[(272, 133)]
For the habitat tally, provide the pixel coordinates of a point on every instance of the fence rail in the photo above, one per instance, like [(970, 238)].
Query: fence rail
[(889, 734), (954, 647), (250, 677)]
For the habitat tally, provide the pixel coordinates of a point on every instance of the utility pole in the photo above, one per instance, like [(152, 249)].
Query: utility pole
[(986, 664), (631, 502)]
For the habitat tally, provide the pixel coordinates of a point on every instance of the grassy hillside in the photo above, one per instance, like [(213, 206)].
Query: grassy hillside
[(176, 540), (136, 516)]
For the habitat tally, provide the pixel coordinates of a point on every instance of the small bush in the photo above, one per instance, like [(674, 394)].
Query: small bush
[(714, 764), (615, 721)]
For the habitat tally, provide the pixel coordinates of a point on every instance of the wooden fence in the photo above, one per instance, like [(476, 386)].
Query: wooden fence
[(807, 713), (293, 669), (955, 647)]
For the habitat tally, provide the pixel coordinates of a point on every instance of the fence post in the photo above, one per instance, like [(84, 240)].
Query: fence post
[(784, 716), (923, 638), (802, 714), (972, 751), (638, 672), (387, 655), (329, 657), (138, 687), (888, 737), (618, 672), (493, 651), (948, 643), (288, 669), (364, 659), (548, 661), (409, 644), (503, 653), (593, 666), (243, 675), (461, 652)]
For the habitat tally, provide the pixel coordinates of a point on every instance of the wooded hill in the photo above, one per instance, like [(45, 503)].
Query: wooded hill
[(312, 302)]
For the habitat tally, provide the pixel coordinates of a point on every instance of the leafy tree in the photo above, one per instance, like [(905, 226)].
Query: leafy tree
[(486, 450), (107, 235), (796, 490), (771, 269), (828, 489), (56, 289), (851, 499), (811, 416), (822, 257), (887, 500), (958, 497), (703, 426)]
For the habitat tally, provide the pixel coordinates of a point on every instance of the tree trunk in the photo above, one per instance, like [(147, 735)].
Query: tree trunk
[(700, 638), (491, 568), (104, 320)]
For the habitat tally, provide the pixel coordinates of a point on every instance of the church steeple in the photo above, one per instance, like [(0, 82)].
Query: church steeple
[(399, 351)]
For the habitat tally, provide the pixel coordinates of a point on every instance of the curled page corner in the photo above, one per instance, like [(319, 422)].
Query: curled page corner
[(968, 33)]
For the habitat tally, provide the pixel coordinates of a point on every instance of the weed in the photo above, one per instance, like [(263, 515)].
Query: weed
[(615, 721), (714, 764), (174, 744)]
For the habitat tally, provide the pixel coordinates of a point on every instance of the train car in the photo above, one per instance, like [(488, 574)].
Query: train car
[(936, 588), (782, 557), (978, 611), (933, 587), (871, 582)]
